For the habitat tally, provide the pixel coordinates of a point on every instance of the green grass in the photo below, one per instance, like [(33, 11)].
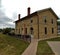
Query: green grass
[(43, 48), (11, 46), (54, 39)]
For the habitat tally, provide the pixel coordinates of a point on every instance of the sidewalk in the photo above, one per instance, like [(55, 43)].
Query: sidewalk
[(32, 48), (55, 46)]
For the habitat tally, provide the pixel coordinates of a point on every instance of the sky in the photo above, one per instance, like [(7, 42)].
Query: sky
[(9, 9)]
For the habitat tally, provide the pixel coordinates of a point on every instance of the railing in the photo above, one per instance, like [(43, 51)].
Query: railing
[(23, 37)]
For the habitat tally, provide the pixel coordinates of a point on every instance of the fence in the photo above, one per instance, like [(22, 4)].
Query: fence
[(23, 37)]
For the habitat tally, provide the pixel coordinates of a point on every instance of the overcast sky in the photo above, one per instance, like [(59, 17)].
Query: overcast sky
[(11, 8)]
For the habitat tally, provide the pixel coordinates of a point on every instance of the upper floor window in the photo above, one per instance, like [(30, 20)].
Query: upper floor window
[(52, 21), (31, 21), (45, 19)]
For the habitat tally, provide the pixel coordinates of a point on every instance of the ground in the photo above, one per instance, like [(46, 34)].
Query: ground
[(11, 46), (44, 48)]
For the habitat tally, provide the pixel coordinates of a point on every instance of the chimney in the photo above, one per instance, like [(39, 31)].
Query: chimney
[(28, 11), (18, 16)]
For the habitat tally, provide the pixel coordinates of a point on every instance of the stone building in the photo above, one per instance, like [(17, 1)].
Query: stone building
[(40, 24)]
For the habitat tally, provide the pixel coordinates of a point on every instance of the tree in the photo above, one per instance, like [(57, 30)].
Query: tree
[(58, 22), (6, 30), (0, 30)]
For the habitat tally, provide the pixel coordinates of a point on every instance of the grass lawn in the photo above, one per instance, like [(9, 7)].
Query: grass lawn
[(44, 48), (11, 46)]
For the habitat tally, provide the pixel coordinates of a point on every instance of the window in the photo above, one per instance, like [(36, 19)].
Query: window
[(45, 19), (19, 31), (31, 30), (22, 28), (52, 30), (26, 30), (52, 21), (45, 30), (31, 21)]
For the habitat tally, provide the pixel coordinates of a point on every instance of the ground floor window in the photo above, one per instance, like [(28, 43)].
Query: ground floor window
[(31, 30), (19, 31), (22, 29), (52, 30), (25, 30), (45, 30)]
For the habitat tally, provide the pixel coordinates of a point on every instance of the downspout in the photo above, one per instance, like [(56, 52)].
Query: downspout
[(38, 24)]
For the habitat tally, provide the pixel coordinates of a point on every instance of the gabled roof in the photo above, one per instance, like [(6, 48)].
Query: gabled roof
[(35, 13)]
